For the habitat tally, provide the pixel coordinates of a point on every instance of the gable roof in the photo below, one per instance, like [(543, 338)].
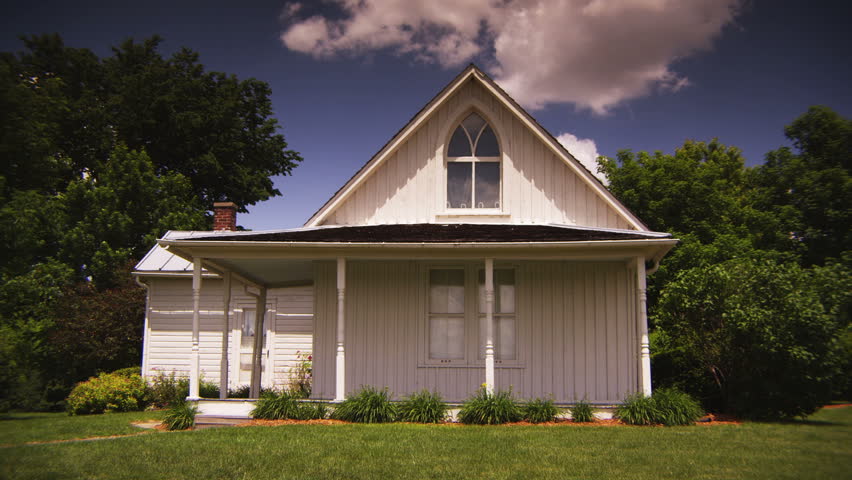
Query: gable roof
[(472, 72)]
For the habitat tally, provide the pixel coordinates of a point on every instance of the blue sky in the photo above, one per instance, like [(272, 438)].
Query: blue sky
[(342, 85)]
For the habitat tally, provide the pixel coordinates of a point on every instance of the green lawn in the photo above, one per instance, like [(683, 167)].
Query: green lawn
[(820, 448), (18, 428)]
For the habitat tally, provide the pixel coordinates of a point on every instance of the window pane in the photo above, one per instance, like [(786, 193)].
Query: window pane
[(248, 323), (504, 341), (458, 184), (473, 124), (488, 185), (446, 291), (504, 338), (504, 290), (459, 145), (487, 145), (446, 338)]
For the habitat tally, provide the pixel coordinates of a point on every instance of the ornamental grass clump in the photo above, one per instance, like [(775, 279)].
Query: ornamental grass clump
[(637, 409), (540, 410), (667, 406), (582, 412), (180, 416), (423, 407), (314, 411), (485, 408), (368, 405), (108, 392), (277, 406), (675, 407)]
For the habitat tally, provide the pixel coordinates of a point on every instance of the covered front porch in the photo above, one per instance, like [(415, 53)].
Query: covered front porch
[(576, 327)]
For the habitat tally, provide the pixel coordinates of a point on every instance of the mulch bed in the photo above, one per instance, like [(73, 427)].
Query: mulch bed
[(717, 419)]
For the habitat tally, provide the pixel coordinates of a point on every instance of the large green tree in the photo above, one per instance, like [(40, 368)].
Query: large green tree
[(809, 189), (98, 158)]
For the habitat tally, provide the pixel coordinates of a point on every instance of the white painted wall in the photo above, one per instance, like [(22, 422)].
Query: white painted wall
[(289, 327), (538, 186), (575, 325)]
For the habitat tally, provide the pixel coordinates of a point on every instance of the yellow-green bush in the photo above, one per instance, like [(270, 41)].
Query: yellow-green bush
[(108, 392)]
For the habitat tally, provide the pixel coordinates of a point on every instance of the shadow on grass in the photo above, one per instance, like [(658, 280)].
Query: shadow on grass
[(16, 417)]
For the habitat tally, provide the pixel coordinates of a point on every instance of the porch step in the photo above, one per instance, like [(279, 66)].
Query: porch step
[(213, 421)]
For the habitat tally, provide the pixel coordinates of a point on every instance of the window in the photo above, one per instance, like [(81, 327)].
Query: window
[(247, 327), (503, 314), (456, 321), (473, 165), (446, 315)]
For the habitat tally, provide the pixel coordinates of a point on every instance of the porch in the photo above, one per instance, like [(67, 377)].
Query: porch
[(576, 329)]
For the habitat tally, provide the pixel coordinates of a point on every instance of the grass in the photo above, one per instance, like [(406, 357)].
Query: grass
[(18, 428), (816, 448)]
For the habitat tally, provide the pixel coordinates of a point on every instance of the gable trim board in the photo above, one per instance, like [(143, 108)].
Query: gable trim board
[(426, 113)]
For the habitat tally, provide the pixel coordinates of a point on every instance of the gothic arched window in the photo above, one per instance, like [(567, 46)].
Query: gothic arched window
[(473, 165)]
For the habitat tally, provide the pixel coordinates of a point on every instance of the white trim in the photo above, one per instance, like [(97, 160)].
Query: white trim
[(642, 320), (195, 358), (489, 324), (340, 359)]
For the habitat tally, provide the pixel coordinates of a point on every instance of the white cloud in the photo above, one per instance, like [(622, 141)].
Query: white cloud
[(585, 150), (594, 54)]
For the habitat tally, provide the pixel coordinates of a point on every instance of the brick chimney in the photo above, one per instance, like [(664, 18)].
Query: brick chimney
[(224, 217)]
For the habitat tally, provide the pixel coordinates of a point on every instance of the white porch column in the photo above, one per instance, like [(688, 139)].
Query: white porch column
[(489, 325), (642, 319), (257, 350), (226, 325), (194, 362), (340, 371)]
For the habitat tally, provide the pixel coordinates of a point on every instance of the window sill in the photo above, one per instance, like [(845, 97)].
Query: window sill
[(469, 365), (478, 212)]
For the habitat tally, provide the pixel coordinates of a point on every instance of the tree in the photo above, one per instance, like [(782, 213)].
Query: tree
[(699, 194), (216, 130), (98, 158), (810, 191), (117, 213), (759, 334)]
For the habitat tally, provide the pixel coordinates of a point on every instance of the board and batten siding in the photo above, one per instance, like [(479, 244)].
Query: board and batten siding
[(169, 336), (538, 186), (575, 322)]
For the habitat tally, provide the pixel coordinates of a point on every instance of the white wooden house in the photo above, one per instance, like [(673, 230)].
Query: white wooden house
[(471, 249)]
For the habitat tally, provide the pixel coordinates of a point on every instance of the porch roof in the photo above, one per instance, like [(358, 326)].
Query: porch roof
[(436, 233)]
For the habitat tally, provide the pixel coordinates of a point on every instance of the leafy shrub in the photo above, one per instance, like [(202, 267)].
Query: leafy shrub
[(540, 411), (207, 390), (423, 407), (167, 390), (667, 406), (637, 409), (761, 335), (301, 376), (277, 406), (582, 412), (180, 416), (107, 393), (675, 407), (240, 392), (126, 372), (368, 405), (485, 408)]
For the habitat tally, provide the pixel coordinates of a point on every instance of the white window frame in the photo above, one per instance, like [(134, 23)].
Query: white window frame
[(473, 160), (471, 317)]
